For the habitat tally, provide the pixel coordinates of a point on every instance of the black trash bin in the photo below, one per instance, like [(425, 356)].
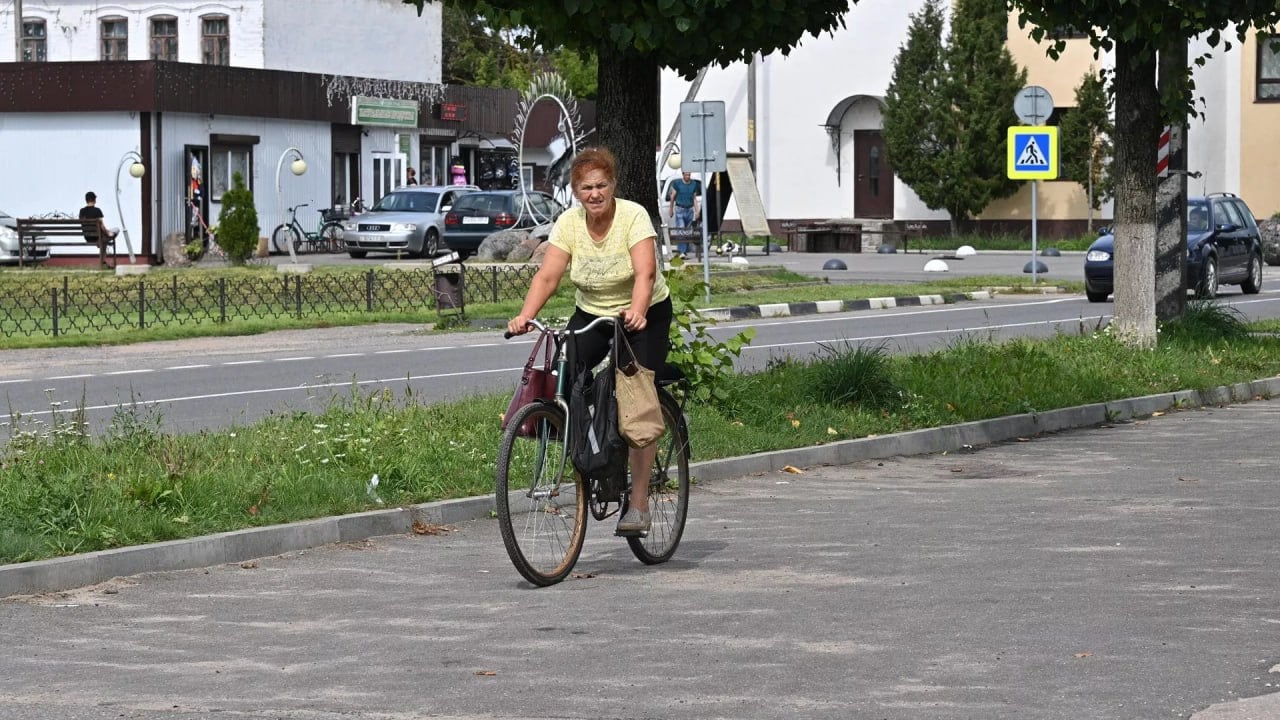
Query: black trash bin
[(449, 287)]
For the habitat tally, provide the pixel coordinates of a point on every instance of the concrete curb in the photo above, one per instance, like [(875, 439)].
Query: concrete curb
[(744, 312), (238, 546)]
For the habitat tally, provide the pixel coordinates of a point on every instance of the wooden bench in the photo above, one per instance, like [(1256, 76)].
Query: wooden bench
[(34, 234), (689, 236)]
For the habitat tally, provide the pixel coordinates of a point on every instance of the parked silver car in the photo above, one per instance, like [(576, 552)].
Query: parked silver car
[(9, 242), (407, 221)]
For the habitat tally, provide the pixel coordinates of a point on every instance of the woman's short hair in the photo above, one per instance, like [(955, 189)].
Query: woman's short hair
[(597, 158)]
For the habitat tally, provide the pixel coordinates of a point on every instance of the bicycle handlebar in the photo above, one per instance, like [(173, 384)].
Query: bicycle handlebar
[(296, 208), (507, 334)]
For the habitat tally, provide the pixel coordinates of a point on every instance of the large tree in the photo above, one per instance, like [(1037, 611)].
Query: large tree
[(634, 39), (1138, 30), (1085, 142), (948, 108)]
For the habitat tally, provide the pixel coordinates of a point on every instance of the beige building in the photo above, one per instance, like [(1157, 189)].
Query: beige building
[(1233, 146)]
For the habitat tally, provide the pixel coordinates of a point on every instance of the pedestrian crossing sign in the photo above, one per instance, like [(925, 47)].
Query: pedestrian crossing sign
[(1033, 152)]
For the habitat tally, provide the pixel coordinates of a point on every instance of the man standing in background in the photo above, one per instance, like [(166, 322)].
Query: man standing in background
[(683, 200)]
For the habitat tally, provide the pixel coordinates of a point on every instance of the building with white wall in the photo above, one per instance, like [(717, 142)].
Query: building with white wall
[(371, 38), (232, 86), (819, 153)]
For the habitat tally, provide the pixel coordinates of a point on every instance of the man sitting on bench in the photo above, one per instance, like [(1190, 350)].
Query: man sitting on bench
[(95, 229)]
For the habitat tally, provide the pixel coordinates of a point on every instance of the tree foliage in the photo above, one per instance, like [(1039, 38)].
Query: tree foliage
[(1148, 27), (949, 105), (479, 56), (916, 132), (633, 40), (1085, 141), (238, 221)]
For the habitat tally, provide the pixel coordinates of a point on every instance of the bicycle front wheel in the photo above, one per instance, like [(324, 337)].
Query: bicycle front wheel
[(668, 488), (541, 500), (283, 238)]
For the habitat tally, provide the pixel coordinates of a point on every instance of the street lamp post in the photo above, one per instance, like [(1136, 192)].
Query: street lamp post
[(297, 167), (136, 170)]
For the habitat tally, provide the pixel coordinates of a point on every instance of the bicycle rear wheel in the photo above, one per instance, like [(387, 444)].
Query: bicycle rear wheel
[(284, 237), (331, 237), (668, 488), (541, 501)]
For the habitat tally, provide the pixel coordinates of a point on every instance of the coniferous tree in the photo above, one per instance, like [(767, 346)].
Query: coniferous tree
[(948, 108), (1085, 142), (238, 221), (915, 127), (982, 80)]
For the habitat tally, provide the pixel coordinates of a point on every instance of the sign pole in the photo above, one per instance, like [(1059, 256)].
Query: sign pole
[(1035, 192), (1032, 160)]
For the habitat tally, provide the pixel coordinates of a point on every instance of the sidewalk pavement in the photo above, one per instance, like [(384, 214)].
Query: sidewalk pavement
[(1124, 570), (241, 545)]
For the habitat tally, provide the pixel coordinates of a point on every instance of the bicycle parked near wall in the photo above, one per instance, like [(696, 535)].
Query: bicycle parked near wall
[(542, 502), (326, 238)]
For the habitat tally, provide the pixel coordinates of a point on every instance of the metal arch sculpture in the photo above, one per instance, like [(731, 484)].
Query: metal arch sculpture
[(549, 86)]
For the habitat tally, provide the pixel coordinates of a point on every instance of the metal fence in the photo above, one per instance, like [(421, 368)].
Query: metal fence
[(88, 305)]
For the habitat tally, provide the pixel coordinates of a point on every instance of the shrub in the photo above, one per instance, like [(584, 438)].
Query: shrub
[(238, 222)]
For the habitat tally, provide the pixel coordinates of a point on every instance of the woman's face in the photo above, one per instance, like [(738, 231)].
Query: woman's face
[(595, 191)]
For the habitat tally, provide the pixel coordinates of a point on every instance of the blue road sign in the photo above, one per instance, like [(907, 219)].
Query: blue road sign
[(1033, 152)]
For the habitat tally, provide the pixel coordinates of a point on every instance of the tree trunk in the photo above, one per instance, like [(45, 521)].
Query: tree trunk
[(627, 122), (1171, 201), (1137, 131)]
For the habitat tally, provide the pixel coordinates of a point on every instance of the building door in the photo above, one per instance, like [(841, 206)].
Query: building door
[(873, 178), (388, 173), (195, 191)]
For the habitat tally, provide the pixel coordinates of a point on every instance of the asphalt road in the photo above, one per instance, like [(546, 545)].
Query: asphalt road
[(1112, 573), (216, 382)]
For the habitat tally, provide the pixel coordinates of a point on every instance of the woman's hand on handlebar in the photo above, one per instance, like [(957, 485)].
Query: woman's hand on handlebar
[(632, 320), (518, 325)]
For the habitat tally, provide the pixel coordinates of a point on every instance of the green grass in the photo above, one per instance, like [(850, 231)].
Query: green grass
[(62, 493), (94, 320), (1000, 242)]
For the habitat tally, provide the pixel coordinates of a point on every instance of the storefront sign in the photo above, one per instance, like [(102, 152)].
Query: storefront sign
[(384, 111), (456, 112)]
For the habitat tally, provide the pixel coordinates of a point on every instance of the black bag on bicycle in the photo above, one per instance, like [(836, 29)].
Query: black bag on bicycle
[(597, 449)]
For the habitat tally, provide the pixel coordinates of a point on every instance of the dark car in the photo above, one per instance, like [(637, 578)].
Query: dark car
[(1224, 247), (409, 220), (478, 215)]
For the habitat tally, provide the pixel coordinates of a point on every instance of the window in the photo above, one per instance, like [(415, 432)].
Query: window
[(1067, 32), (224, 161), (34, 43), (1268, 68), (215, 40), (435, 165), (164, 38), (115, 39)]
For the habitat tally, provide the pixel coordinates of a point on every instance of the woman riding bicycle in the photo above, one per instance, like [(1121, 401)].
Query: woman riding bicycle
[(610, 249)]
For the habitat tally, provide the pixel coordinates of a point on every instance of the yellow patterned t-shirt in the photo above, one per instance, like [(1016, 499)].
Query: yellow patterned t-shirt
[(602, 271)]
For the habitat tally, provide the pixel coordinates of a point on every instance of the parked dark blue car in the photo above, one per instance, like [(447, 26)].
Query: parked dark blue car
[(1223, 248)]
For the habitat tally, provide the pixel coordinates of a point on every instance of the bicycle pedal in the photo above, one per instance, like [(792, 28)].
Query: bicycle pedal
[(634, 534)]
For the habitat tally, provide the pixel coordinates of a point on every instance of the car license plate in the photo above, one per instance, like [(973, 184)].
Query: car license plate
[(475, 221)]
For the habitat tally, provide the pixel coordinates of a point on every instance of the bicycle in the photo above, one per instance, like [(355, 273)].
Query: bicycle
[(327, 237), (542, 501)]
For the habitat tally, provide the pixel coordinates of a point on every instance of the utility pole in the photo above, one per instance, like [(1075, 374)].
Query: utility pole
[(17, 30), (1171, 201), (751, 109)]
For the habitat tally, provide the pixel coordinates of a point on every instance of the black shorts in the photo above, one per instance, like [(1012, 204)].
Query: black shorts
[(650, 344)]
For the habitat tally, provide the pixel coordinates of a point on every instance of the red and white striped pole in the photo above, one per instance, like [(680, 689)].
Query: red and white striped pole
[(1162, 152)]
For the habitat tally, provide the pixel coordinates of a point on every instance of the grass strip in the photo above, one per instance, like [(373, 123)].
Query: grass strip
[(63, 493)]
